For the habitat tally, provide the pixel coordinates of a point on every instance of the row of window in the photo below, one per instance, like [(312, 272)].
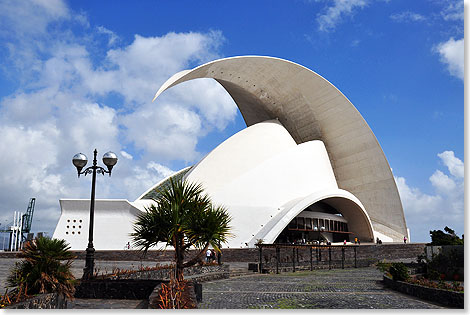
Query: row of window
[(73, 226), (72, 232), (74, 220), (300, 223)]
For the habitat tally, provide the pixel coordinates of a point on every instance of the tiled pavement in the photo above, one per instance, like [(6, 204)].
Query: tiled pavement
[(336, 289)]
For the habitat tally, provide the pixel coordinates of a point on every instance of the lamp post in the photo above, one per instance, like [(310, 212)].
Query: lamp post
[(80, 160)]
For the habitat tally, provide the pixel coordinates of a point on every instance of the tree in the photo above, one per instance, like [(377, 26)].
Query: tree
[(448, 237), (183, 217), (42, 269)]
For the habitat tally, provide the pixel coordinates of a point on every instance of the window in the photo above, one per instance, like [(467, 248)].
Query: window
[(308, 223), (293, 224), (301, 223)]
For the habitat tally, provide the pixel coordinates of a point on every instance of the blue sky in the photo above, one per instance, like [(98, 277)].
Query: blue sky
[(82, 74)]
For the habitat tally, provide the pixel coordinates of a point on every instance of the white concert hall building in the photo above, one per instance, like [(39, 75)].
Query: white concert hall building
[(306, 168)]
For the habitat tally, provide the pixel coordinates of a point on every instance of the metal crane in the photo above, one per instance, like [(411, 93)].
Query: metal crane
[(27, 219)]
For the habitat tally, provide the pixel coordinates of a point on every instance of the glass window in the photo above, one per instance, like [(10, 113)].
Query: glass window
[(293, 224), (308, 223), (321, 223), (301, 223)]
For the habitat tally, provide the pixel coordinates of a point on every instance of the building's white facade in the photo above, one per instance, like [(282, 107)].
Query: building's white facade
[(305, 148)]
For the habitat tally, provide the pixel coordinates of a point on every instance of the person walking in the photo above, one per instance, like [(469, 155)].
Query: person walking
[(404, 239), (208, 255), (212, 255)]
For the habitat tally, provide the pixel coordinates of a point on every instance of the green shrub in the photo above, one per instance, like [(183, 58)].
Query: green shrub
[(45, 267), (383, 266), (399, 271)]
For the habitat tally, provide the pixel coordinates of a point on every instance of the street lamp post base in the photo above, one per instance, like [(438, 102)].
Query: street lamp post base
[(89, 264)]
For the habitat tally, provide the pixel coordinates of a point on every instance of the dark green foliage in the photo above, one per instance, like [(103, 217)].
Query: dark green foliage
[(448, 237), (44, 268), (182, 217), (444, 264), (399, 271)]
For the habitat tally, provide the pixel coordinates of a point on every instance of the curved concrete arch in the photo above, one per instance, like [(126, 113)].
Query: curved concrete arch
[(311, 108), (346, 203)]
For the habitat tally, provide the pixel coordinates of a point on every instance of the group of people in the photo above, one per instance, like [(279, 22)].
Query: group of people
[(210, 255)]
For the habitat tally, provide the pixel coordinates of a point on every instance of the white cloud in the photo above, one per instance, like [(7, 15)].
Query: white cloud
[(112, 36), (454, 164), (31, 16), (407, 16), (338, 11), (144, 178), (126, 155), (161, 169), (168, 131), (425, 212), (454, 11), (442, 182), (63, 107), (452, 55)]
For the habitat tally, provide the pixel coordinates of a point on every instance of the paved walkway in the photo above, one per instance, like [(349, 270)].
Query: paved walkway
[(106, 304), (328, 289)]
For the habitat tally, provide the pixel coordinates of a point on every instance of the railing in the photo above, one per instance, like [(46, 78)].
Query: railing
[(318, 253)]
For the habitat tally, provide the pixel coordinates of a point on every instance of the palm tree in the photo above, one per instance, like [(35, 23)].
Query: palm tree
[(41, 269), (182, 217)]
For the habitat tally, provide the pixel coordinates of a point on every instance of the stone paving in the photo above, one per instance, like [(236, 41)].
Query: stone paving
[(351, 288), (327, 289), (106, 304)]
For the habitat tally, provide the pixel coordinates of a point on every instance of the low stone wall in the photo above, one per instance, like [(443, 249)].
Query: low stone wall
[(366, 253), (140, 285), (189, 272), (129, 289), (444, 297), (42, 301)]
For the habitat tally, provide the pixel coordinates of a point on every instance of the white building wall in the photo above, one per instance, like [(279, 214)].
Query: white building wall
[(253, 184), (113, 221)]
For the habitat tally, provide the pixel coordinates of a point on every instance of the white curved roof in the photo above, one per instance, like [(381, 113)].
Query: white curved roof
[(263, 178), (311, 108)]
